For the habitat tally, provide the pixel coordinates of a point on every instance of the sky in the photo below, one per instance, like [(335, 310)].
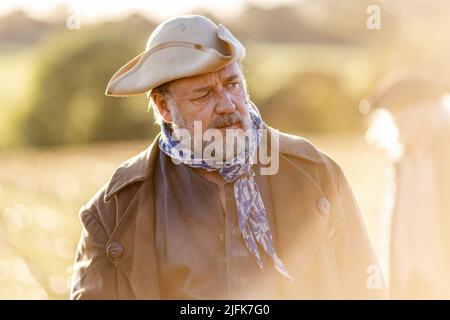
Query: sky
[(95, 10)]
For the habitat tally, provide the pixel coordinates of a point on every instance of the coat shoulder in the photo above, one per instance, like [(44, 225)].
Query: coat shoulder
[(311, 157), (304, 149), (98, 210), (124, 183)]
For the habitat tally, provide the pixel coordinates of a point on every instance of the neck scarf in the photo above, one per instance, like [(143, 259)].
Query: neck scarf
[(253, 222)]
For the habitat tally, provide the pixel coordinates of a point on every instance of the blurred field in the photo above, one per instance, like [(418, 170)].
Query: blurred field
[(308, 71), (42, 190), (16, 70)]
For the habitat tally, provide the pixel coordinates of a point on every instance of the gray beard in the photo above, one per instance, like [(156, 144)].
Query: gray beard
[(230, 148)]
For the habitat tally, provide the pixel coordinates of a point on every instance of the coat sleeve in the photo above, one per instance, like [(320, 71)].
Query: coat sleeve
[(94, 276), (360, 274)]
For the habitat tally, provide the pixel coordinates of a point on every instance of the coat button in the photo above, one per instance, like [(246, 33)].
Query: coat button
[(324, 206), (114, 250)]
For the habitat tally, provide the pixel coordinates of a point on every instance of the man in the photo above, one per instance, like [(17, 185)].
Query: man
[(177, 222), (414, 103)]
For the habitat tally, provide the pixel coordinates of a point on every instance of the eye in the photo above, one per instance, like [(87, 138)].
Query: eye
[(233, 85), (203, 97)]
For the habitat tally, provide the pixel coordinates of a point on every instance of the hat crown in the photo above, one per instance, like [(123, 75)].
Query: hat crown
[(195, 29), (181, 47)]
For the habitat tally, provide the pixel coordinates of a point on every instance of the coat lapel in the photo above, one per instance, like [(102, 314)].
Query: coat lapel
[(300, 227), (135, 232)]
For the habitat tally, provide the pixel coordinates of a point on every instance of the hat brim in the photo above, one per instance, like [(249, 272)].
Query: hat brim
[(170, 61)]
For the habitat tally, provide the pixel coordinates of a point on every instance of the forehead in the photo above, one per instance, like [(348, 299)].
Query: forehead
[(210, 78)]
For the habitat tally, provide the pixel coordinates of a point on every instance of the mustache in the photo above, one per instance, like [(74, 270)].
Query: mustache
[(225, 121)]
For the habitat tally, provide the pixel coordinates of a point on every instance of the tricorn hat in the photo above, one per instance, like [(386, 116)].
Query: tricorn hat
[(179, 47)]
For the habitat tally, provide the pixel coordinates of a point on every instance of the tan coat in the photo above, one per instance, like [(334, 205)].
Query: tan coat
[(323, 241)]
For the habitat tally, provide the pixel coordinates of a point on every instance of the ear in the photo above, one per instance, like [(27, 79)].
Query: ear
[(162, 105)]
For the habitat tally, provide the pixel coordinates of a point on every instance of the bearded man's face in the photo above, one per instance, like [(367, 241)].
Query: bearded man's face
[(217, 101)]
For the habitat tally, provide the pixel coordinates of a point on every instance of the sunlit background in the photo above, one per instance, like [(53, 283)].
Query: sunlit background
[(309, 66)]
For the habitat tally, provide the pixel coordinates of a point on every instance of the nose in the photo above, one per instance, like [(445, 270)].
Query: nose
[(225, 105)]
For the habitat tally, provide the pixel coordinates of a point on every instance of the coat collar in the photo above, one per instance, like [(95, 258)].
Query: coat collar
[(140, 167)]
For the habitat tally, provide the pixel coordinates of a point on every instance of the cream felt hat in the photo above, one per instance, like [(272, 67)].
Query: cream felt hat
[(179, 47)]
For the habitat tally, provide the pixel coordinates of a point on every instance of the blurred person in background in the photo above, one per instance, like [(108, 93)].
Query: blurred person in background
[(411, 122), (168, 227)]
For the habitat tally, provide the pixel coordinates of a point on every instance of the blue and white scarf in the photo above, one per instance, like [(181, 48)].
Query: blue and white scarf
[(253, 222)]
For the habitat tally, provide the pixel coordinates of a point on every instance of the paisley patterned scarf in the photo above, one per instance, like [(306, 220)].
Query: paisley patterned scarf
[(253, 222)]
